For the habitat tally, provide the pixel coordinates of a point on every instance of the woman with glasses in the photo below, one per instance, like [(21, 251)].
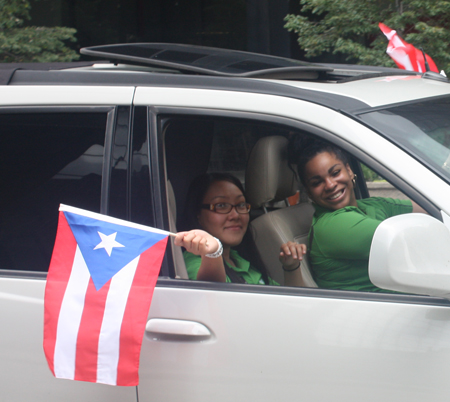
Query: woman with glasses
[(218, 215)]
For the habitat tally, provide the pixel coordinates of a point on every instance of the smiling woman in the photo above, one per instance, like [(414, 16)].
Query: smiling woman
[(225, 215), (330, 181), (343, 227), (218, 216)]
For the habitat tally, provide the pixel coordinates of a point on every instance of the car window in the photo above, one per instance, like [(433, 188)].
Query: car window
[(421, 128), (46, 159), (197, 145), (378, 186), (194, 146)]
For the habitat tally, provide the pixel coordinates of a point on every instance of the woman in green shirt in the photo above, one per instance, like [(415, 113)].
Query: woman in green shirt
[(217, 215), (343, 227)]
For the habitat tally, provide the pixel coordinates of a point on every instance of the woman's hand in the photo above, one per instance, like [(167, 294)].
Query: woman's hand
[(291, 255), (197, 242), (200, 243)]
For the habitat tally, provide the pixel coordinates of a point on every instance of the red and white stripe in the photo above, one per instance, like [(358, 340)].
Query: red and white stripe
[(405, 55), (92, 335)]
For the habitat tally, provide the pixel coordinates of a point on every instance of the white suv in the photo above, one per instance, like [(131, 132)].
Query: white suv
[(125, 139)]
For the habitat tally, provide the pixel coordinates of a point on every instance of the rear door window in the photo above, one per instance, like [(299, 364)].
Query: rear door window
[(46, 158)]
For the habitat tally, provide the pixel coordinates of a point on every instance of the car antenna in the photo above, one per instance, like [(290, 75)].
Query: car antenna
[(427, 67), (431, 74)]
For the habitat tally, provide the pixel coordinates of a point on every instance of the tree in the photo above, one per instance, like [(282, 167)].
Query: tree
[(19, 43), (350, 28)]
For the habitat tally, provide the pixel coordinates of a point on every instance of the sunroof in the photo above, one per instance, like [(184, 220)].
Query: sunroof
[(204, 60)]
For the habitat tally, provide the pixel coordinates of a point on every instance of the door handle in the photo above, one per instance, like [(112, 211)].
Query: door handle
[(164, 329)]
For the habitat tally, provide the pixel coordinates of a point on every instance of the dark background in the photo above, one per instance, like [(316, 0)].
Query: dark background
[(251, 25)]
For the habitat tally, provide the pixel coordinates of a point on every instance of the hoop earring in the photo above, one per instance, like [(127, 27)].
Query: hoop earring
[(354, 180)]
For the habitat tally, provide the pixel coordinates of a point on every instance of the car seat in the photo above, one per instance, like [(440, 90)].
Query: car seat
[(268, 180)]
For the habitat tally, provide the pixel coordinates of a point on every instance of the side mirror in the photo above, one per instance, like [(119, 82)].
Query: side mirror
[(411, 253)]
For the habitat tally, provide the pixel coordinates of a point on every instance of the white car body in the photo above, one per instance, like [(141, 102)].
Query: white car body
[(221, 342)]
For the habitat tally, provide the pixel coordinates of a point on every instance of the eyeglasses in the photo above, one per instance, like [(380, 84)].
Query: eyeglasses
[(225, 207)]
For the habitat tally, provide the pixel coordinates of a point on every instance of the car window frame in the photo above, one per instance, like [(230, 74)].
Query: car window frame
[(111, 112), (167, 278), (359, 113)]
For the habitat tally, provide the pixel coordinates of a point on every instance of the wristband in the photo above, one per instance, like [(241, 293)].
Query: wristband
[(216, 253), (291, 270)]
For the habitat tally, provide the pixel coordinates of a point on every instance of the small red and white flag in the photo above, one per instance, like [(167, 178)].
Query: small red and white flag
[(99, 288), (405, 55)]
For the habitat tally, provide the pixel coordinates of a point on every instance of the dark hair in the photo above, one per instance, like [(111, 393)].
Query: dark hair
[(196, 193), (303, 148)]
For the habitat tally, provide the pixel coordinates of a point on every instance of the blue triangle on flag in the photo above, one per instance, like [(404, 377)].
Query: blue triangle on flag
[(107, 247)]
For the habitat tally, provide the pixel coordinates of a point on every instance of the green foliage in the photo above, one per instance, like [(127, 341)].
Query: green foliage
[(369, 174), (19, 43), (350, 28)]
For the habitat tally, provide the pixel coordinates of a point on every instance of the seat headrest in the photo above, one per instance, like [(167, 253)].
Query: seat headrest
[(268, 177)]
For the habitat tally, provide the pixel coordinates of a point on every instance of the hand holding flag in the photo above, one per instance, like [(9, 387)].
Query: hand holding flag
[(99, 289)]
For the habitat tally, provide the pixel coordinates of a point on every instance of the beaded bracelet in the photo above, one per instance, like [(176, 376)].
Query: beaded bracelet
[(218, 252)]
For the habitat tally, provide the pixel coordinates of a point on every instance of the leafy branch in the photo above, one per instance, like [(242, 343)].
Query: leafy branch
[(19, 43)]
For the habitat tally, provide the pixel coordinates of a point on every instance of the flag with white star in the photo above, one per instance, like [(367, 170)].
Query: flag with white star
[(98, 293)]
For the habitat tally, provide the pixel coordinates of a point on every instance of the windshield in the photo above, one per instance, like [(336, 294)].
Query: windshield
[(421, 128)]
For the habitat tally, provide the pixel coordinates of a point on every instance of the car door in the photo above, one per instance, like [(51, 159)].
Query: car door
[(51, 154), (211, 341)]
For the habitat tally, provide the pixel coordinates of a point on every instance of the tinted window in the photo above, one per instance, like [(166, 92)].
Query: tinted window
[(45, 159), (421, 128)]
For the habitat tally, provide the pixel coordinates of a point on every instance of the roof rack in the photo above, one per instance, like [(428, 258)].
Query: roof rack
[(192, 59), (7, 70)]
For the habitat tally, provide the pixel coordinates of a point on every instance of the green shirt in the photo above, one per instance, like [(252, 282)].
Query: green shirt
[(242, 268), (341, 242)]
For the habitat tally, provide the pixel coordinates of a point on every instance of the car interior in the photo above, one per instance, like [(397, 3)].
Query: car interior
[(70, 172), (256, 153)]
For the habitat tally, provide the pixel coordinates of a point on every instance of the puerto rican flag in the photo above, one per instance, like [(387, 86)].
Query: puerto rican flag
[(406, 56), (99, 288)]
